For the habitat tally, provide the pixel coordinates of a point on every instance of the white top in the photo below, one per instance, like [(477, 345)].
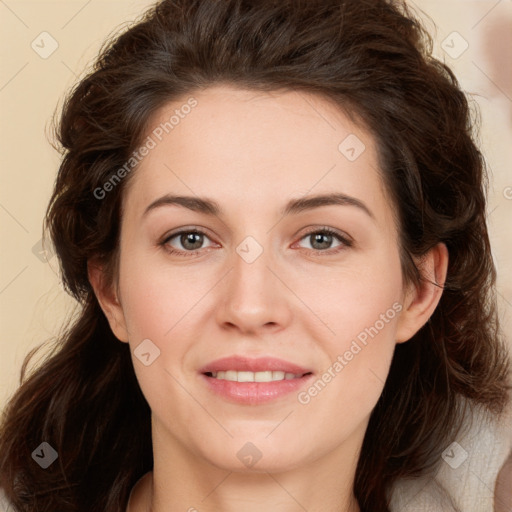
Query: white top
[(4, 504), (468, 472)]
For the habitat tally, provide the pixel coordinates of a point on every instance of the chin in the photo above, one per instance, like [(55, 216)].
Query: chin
[(255, 455)]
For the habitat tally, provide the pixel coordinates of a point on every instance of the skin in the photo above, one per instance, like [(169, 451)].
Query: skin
[(503, 490), (252, 152)]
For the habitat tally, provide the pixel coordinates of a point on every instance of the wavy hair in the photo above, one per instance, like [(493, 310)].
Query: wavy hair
[(373, 58)]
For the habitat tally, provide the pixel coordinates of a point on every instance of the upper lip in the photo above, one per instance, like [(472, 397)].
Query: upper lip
[(261, 364)]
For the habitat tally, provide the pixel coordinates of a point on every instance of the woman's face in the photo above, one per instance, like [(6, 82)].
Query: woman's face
[(261, 281)]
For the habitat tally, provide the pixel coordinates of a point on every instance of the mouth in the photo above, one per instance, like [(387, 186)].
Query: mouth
[(264, 376), (268, 368), (249, 381)]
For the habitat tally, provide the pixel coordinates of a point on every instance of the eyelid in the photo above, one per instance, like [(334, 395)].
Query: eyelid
[(345, 237)]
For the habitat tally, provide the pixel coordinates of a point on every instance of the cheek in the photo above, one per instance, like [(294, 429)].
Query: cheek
[(160, 304), (360, 301), (344, 394), (156, 296), (155, 305), (361, 310), (146, 308)]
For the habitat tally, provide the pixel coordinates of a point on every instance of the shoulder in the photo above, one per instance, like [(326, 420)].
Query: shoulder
[(466, 476)]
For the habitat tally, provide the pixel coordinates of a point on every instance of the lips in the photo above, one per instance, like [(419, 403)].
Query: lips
[(243, 380), (245, 364)]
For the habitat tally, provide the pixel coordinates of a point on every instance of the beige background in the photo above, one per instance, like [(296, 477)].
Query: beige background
[(32, 304)]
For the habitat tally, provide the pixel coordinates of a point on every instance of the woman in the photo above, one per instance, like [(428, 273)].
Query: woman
[(273, 215)]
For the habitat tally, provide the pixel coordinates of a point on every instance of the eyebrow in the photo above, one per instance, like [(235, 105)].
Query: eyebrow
[(210, 207)]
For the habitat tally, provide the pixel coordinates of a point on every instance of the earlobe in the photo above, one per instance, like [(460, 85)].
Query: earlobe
[(108, 300), (421, 300)]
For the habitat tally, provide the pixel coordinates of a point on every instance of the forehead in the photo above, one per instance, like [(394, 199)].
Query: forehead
[(259, 148)]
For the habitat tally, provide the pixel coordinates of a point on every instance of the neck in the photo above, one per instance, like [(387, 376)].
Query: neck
[(144, 498), (193, 484)]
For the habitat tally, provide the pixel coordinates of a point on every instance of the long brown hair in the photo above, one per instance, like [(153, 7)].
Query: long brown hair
[(373, 58)]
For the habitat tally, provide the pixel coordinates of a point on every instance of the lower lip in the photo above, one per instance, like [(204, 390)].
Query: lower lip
[(254, 392)]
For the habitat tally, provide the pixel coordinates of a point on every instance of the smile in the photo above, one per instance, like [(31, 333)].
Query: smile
[(244, 376)]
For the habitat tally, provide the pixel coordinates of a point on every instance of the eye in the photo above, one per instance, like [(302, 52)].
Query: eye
[(191, 242), (321, 240)]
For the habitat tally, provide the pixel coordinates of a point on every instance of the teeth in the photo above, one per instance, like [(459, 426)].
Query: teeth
[(267, 376)]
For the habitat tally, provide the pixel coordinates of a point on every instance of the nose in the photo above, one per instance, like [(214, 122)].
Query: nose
[(254, 296)]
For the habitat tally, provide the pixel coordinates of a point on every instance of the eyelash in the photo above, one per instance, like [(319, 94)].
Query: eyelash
[(346, 242)]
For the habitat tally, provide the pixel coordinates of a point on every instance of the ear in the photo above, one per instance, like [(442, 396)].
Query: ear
[(108, 300), (421, 300)]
